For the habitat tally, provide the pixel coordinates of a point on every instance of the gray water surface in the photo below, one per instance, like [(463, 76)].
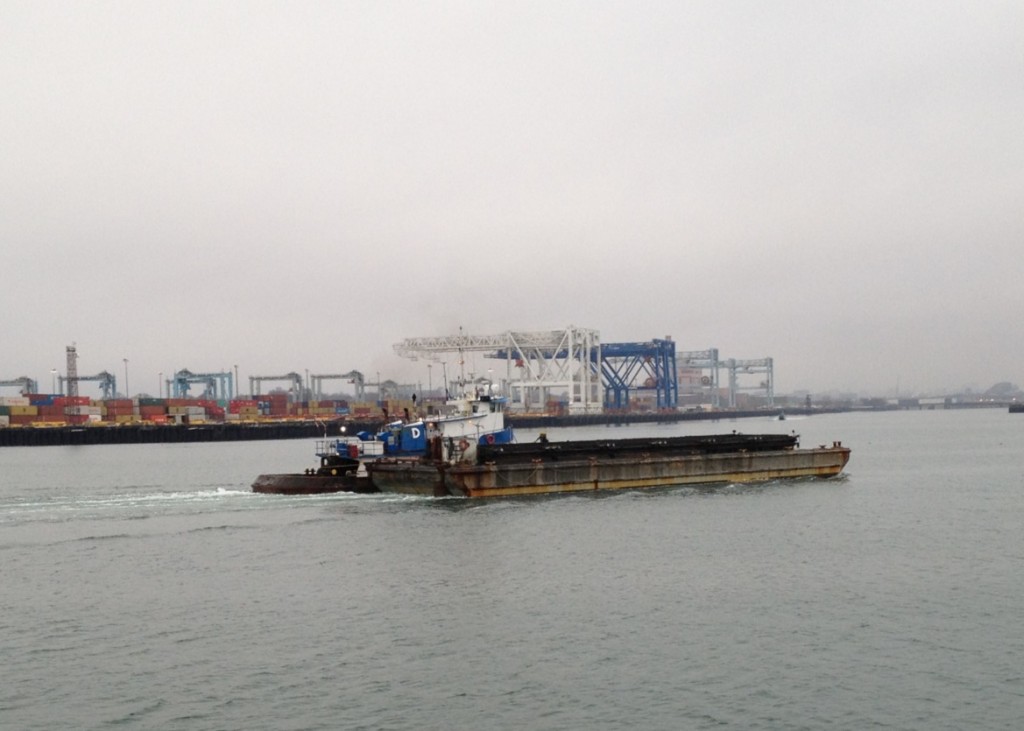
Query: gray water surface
[(145, 587)]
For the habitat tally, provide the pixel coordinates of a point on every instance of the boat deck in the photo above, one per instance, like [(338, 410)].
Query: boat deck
[(633, 447)]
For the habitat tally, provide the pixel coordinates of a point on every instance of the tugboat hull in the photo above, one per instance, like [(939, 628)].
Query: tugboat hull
[(299, 484)]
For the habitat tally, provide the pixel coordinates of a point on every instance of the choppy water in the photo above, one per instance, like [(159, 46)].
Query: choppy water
[(144, 587)]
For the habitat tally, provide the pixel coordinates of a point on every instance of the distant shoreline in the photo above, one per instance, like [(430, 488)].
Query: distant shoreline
[(51, 436)]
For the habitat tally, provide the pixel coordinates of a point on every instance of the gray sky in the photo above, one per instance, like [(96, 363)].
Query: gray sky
[(294, 185)]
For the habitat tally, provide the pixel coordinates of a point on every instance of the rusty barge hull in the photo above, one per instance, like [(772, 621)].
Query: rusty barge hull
[(542, 477)]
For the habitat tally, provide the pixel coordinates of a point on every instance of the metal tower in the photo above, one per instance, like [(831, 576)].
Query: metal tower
[(72, 377)]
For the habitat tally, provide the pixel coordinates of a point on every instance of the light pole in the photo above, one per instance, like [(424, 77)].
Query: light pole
[(430, 385), (53, 380), (444, 373), (160, 384), (126, 391), (234, 386)]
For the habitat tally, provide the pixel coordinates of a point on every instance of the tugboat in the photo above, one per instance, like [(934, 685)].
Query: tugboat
[(469, 422), (342, 469)]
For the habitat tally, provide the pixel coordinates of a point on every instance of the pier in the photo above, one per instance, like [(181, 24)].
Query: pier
[(133, 433)]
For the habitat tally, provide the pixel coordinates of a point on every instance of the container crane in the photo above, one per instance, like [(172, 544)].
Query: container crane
[(630, 367), (294, 378), (353, 377), (765, 366), (699, 361), (107, 381), (219, 385), (538, 364), (27, 385)]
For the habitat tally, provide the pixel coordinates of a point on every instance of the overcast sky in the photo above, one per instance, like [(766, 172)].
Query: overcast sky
[(292, 186)]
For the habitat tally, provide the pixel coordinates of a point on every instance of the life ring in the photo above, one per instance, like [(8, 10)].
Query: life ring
[(489, 439), (463, 445)]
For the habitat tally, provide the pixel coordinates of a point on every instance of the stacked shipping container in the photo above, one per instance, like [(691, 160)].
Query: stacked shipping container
[(49, 409)]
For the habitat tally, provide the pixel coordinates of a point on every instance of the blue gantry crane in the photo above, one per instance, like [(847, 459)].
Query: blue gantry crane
[(649, 366)]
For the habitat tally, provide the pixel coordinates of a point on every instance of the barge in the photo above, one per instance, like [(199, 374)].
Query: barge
[(470, 452), (512, 470)]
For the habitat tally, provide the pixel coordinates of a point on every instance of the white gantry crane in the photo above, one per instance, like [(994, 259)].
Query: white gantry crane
[(25, 385), (297, 390), (754, 366), (540, 366), (354, 377), (705, 364)]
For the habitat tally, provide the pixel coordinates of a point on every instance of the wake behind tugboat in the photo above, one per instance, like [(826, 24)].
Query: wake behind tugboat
[(469, 452)]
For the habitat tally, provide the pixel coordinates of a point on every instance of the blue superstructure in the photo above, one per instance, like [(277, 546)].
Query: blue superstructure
[(470, 422)]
